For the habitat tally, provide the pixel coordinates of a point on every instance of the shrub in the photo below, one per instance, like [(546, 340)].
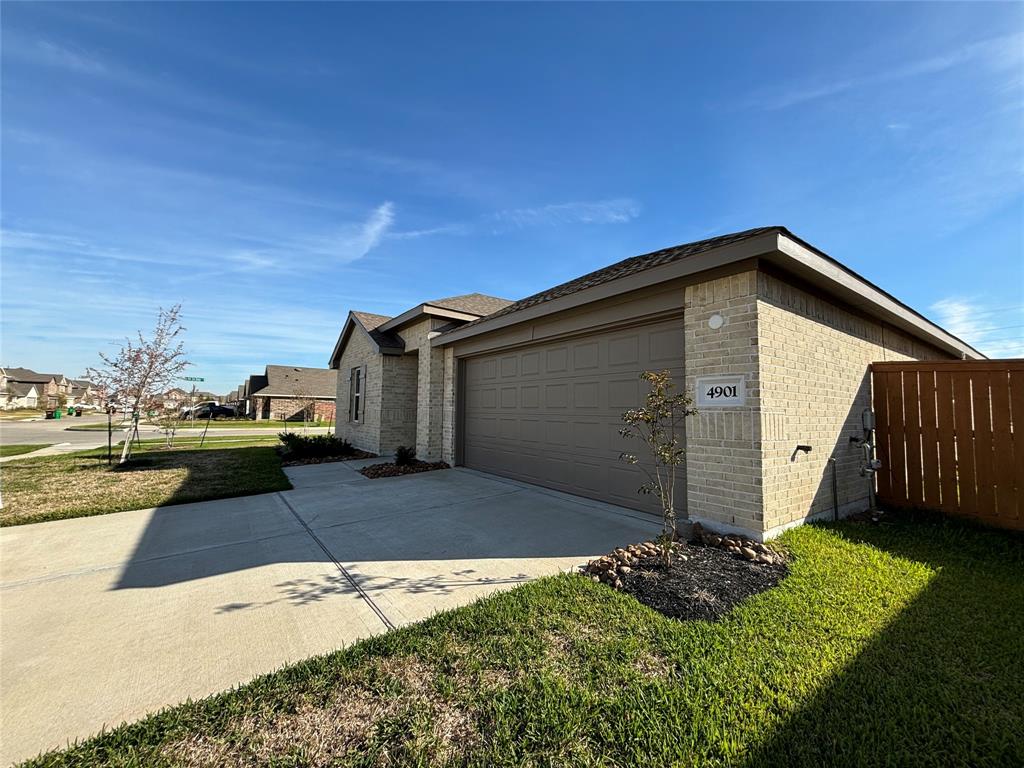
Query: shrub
[(315, 446), (404, 455)]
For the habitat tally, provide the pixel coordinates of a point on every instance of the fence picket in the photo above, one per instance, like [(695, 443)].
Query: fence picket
[(950, 435)]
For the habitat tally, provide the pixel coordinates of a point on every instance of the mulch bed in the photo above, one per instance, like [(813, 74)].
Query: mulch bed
[(396, 470), (356, 454), (706, 585)]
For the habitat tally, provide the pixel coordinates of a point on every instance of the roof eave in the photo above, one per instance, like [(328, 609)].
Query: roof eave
[(421, 310), (820, 269), (779, 247), (699, 262)]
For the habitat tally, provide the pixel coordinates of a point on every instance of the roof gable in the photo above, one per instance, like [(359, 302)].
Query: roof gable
[(368, 323)]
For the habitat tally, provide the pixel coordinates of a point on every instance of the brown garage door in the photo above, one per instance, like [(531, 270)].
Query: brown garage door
[(550, 413)]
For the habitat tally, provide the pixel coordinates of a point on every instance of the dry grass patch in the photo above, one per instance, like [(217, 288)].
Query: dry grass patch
[(394, 713)]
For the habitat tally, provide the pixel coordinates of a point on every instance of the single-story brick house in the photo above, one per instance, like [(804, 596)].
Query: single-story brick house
[(292, 393), (390, 384), (772, 336)]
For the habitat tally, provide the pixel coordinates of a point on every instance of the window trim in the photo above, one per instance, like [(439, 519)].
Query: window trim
[(357, 386)]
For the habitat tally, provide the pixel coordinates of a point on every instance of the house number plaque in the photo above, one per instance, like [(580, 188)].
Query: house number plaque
[(718, 391)]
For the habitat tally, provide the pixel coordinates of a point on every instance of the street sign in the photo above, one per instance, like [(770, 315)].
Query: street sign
[(192, 378)]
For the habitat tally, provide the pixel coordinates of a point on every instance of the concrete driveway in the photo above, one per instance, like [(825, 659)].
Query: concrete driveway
[(105, 619)]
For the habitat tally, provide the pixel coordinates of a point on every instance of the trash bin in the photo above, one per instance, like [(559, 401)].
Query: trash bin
[(78, 411), (56, 413), (49, 413)]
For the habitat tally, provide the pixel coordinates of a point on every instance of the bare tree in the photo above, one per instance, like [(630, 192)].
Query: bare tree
[(658, 425), (143, 368)]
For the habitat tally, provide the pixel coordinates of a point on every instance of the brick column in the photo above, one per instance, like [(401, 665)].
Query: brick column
[(723, 460), (429, 408)]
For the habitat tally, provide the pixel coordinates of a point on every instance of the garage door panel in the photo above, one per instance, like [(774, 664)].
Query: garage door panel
[(508, 429), (557, 360), (586, 356), (589, 436), (623, 393), (550, 414), (624, 350), (556, 433), (530, 430), (556, 396), (666, 347), (509, 397)]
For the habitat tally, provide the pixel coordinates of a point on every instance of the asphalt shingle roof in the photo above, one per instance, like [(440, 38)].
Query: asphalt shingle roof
[(27, 374), (371, 322), (20, 388), (293, 381), (472, 303), (625, 268)]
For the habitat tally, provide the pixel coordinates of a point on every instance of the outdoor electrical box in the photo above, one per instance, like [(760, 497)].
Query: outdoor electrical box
[(868, 419)]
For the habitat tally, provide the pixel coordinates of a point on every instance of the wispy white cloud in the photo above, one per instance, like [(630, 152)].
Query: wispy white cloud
[(370, 234), (444, 229), (61, 56), (1000, 53), (615, 211), (995, 333)]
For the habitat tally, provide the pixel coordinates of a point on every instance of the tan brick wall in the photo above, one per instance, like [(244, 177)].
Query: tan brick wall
[(815, 384), (360, 350), (398, 405), (430, 388), (448, 407), (723, 472)]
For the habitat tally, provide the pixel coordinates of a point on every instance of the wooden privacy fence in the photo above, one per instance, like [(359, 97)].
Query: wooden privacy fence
[(950, 436)]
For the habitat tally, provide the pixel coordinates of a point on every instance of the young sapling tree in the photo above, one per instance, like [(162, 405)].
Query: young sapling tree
[(142, 368), (658, 425)]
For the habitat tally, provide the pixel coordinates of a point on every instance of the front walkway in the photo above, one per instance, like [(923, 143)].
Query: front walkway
[(104, 619)]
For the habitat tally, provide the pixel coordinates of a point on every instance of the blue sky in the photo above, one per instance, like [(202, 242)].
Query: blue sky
[(272, 166)]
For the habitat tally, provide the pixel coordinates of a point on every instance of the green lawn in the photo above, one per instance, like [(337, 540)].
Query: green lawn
[(17, 450), (888, 646), (81, 483), (290, 426)]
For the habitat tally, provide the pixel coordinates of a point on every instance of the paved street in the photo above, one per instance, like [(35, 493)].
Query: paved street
[(107, 618), (56, 433)]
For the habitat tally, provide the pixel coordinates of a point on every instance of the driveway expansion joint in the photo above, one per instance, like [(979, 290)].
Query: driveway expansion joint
[(344, 572)]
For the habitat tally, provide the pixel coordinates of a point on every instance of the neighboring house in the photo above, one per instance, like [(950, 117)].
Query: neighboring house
[(83, 392), (175, 399), (49, 386), (292, 393), (17, 394), (390, 377), (253, 384), (772, 336)]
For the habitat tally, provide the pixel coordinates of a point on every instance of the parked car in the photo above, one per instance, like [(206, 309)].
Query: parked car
[(187, 411), (212, 412)]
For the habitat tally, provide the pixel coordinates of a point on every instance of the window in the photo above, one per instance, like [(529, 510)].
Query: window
[(355, 395)]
